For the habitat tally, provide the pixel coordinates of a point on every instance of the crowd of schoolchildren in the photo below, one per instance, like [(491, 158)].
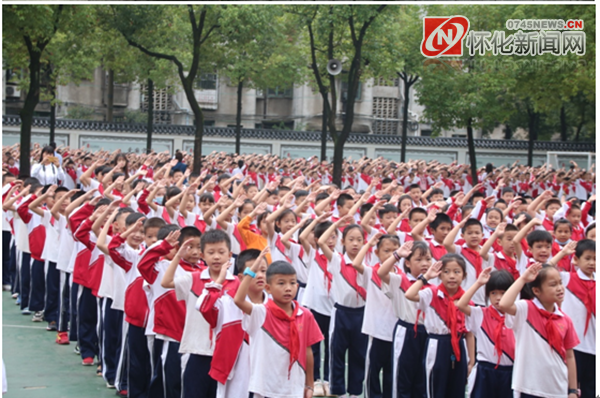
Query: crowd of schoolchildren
[(259, 277)]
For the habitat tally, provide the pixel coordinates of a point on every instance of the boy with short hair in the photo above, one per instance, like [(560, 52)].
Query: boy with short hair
[(167, 315), (472, 232), (282, 328), (440, 225), (415, 192), (539, 243), (197, 343), (126, 254), (505, 258), (231, 359)]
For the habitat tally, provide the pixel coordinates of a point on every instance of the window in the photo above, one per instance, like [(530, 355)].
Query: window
[(206, 81), (163, 104), (384, 109), (281, 92), (426, 133), (382, 81)]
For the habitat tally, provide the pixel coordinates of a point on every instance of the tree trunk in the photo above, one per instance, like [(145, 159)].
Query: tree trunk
[(26, 113), (188, 88), (52, 112), (563, 124), (533, 121), (580, 126), (324, 132), (472, 156), (150, 115), (110, 96), (338, 158), (408, 82), (238, 117), (507, 132)]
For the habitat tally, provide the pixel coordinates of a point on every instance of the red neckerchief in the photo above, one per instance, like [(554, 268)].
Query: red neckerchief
[(322, 262), (349, 273), (584, 290), (474, 258), (498, 332), (294, 341), (189, 267), (552, 333), (509, 264), (452, 314), (437, 251), (281, 247)]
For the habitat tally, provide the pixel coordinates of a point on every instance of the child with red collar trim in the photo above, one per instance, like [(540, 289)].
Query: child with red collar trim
[(551, 205), (472, 231), (36, 237), (197, 343), (318, 297), (230, 366), (125, 252), (539, 244), (440, 225), (379, 319), (204, 222), (447, 357), (282, 329), (126, 226), (41, 206), (348, 313), (580, 305), (415, 216), (167, 315), (409, 335), (545, 336), (492, 373), (503, 259)]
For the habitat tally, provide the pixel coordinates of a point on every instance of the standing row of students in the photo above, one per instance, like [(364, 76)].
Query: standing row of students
[(224, 288)]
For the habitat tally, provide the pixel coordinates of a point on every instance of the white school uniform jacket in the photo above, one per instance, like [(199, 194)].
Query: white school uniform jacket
[(318, 296), (135, 296), (379, 319), (197, 337), (294, 255), (471, 276), (346, 285), (53, 231), (579, 290), (539, 370), (404, 308), (66, 244), (483, 326), (269, 360), (231, 361)]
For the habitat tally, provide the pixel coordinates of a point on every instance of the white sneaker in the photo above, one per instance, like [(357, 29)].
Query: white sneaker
[(319, 391), (326, 389), (6, 288)]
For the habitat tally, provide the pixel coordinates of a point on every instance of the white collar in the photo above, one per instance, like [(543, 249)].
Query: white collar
[(584, 276), (540, 306), (410, 276), (206, 274), (433, 242)]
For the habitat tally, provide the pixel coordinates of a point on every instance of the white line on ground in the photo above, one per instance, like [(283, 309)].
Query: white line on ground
[(24, 327)]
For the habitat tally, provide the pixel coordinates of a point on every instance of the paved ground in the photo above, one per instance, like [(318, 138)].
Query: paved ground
[(36, 367)]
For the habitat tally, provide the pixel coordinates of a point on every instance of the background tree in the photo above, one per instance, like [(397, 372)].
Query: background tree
[(260, 52), (463, 93), (179, 34), (50, 37), (346, 33), (401, 56)]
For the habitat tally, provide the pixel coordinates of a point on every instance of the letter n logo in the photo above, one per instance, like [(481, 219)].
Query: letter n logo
[(442, 36)]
